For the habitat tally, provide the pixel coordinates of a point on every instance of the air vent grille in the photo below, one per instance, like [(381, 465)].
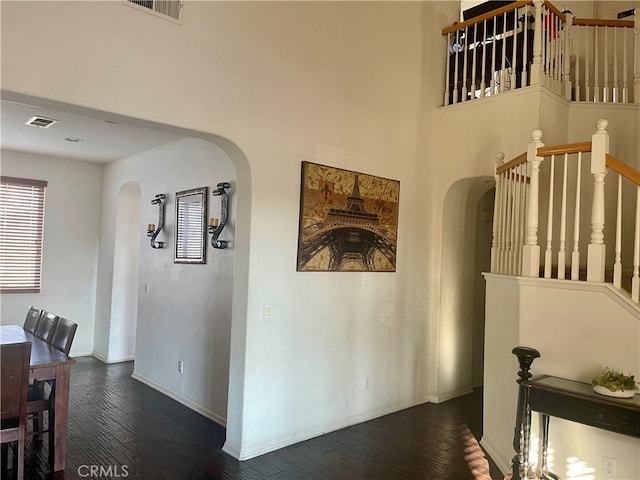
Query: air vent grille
[(170, 9), (41, 122)]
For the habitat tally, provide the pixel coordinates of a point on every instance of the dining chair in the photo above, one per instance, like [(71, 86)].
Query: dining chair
[(40, 392), (62, 337), (14, 383), (32, 319), (46, 326)]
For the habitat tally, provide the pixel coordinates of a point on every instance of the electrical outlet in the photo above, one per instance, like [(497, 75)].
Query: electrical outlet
[(609, 467), (180, 366), (367, 383), (266, 311)]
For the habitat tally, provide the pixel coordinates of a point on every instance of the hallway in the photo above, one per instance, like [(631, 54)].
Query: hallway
[(142, 434)]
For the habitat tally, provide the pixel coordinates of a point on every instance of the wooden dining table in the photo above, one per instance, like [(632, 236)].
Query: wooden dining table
[(48, 363)]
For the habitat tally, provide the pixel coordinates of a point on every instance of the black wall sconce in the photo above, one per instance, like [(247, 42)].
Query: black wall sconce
[(152, 231), (216, 225)]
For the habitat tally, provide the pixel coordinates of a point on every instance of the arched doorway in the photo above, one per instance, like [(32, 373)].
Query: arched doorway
[(126, 268)]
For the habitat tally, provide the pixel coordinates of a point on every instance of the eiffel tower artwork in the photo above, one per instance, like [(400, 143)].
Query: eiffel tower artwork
[(348, 221)]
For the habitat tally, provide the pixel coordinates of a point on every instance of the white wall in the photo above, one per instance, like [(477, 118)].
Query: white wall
[(183, 311), (70, 248), (562, 320)]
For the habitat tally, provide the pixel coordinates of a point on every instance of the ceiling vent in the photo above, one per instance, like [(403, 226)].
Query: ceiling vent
[(41, 122), (168, 9)]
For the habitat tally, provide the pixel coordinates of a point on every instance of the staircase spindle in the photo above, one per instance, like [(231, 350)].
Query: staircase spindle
[(515, 50), (576, 87), (615, 91), (587, 55), (496, 215), (504, 53), (547, 253), (563, 223), (625, 73), (525, 59), (596, 87), (473, 66), (465, 52), (492, 82), (605, 53), (483, 83), (447, 79), (455, 73), (575, 254), (617, 265)]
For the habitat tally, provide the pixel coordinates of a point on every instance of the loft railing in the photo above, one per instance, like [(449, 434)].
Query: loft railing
[(522, 199), (531, 42)]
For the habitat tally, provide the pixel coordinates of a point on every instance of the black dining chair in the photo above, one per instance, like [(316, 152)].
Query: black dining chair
[(14, 383), (32, 319), (40, 392), (62, 337), (46, 326)]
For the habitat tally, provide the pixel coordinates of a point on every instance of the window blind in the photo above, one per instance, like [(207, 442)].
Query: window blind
[(21, 229)]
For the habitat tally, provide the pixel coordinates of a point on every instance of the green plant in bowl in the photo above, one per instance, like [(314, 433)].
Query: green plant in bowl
[(614, 380)]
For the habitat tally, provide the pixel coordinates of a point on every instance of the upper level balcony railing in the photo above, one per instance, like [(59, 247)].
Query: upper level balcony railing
[(532, 42)]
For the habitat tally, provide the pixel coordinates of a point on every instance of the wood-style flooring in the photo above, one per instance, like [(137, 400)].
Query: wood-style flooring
[(120, 428)]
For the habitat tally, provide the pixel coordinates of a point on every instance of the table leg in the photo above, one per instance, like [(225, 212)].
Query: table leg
[(543, 468), (60, 416)]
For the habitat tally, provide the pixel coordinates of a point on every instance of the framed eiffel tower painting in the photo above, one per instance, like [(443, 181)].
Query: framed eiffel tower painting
[(348, 221)]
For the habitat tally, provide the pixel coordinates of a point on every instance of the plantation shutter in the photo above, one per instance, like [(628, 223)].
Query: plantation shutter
[(21, 228)]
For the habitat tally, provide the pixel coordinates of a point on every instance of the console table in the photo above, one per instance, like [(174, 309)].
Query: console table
[(566, 399)]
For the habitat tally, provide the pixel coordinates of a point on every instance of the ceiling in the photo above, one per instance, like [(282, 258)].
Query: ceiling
[(103, 140)]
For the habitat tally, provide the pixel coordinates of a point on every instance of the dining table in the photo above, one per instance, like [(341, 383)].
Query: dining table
[(48, 363)]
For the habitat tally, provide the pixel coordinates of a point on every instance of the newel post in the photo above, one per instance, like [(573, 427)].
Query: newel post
[(566, 57), (536, 65), (497, 214), (597, 248), (531, 249)]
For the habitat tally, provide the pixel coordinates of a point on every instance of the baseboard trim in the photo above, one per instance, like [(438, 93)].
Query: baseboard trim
[(502, 464), (180, 399), (269, 446), (113, 360), (443, 397)]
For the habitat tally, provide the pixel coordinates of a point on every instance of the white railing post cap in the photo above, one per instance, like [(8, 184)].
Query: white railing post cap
[(499, 158), (601, 125), (536, 135)]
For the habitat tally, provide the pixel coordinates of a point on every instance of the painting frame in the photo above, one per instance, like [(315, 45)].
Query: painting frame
[(348, 220)]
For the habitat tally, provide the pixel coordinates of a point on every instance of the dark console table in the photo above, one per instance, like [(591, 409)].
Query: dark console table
[(567, 399)]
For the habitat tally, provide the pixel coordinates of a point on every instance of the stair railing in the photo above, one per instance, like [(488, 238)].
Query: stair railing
[(532, 42), (515, 246)]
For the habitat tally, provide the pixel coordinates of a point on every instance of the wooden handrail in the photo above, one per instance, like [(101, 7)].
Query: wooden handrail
[(519, 160), (562, 149), (592, 22), (485, 16), (558, 13), (623, 169)]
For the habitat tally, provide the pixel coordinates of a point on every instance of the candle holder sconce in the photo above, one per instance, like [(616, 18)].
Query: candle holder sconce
[(216, 225), (152, 231)]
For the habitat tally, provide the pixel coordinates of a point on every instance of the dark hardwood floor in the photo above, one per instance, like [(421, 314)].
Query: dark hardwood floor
[(120, 428)]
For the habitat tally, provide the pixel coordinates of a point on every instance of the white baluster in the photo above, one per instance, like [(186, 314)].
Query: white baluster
[(597, 248), (525, 59), (566, 55), (617, 264), (605, 82), (575, 255), (558, 44), (635, 278), (536, 64), (509, 229), (587, 55), (455, 72), (492, 82), (614, 90), (465, 50), (596, 87), (446, 83), (531, 250), (562, 253), (522, 185), (504, 225), (625, 73), (473, 67), (496, 214), (548, 252), (483, 83), (515, 49), (504, 52), (578, 95)]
